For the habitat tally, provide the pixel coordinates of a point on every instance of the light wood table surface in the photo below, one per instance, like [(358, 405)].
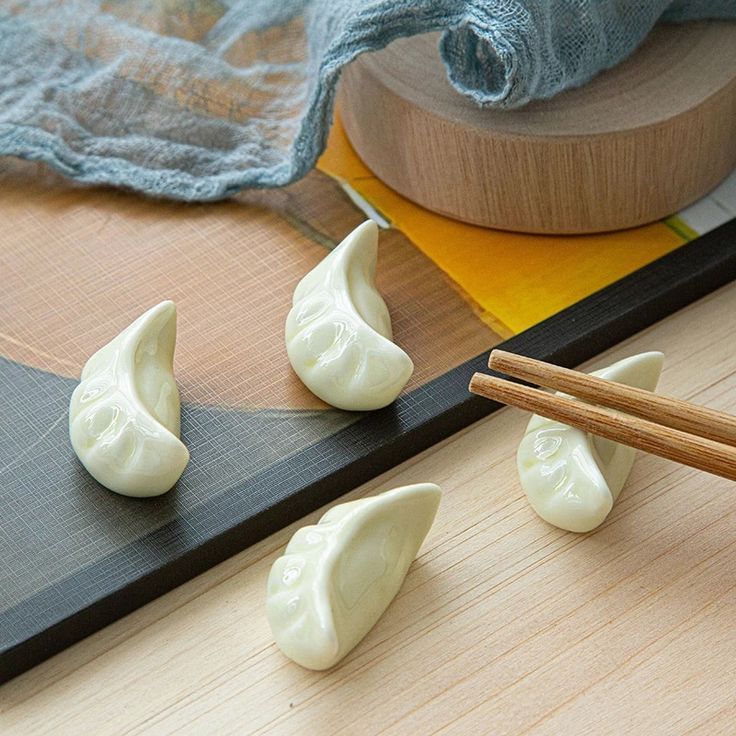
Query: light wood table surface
[(504, 625)]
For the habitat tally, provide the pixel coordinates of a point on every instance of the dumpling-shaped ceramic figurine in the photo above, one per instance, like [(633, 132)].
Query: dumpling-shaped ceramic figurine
[(337, 577), (338, 332), (124, 416), (572, 478)]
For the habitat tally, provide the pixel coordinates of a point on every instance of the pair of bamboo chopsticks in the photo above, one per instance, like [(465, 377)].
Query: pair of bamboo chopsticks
[(692, 435)]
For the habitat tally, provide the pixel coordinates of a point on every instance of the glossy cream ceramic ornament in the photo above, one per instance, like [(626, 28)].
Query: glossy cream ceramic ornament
[(337, 577), (124, 415), (572, 478), (338, 332)]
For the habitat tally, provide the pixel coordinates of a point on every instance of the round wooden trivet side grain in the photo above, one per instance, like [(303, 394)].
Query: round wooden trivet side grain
[(638, 143)]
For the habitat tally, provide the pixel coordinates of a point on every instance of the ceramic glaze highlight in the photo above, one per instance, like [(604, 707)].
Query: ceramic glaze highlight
[(337, 577), (124, 416), (338, 332), (572, 478)]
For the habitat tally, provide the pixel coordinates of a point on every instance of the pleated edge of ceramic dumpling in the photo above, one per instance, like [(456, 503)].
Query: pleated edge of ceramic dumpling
[(629, 371), (352, 514), (356, 306), (118, 356)]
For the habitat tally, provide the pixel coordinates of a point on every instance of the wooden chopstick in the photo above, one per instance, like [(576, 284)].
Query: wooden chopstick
[(698, 420), (673, 444)]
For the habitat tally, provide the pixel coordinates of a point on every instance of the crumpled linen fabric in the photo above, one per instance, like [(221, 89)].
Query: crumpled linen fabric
[(197, 99)]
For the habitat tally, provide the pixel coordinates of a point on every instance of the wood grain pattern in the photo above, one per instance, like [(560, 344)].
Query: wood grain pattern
[(636, 144), (505, 625)]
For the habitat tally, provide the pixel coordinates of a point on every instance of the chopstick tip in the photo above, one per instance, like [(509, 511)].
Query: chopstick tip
[(475, 381), (497, 356)]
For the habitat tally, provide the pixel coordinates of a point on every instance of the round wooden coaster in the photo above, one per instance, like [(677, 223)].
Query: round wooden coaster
[(638, 143)]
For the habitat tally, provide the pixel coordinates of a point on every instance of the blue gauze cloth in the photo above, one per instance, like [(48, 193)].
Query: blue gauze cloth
[(197, 99)]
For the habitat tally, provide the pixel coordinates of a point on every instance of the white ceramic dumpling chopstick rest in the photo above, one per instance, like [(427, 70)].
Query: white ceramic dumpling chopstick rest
[(338, 332), (571, 477), (124, 416), (337, 577)]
